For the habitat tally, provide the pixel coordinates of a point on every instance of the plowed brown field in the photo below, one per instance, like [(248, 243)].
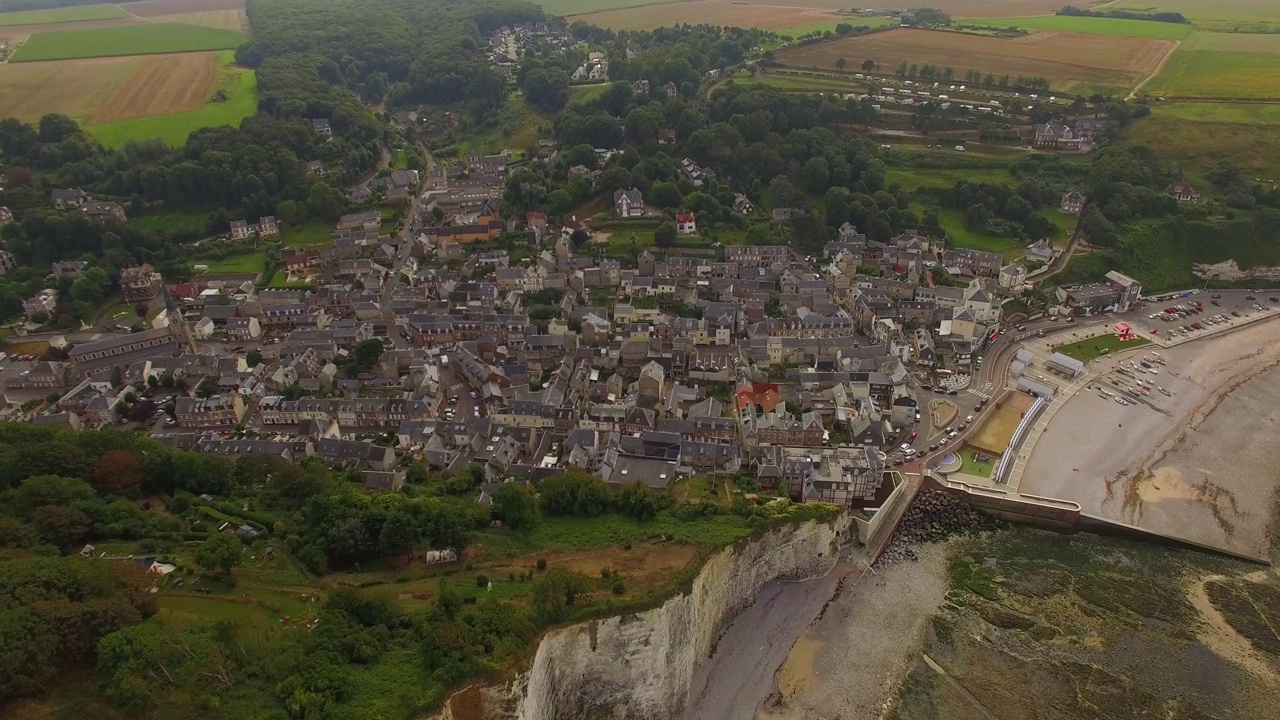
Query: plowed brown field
[(162, 84), (1067, 60)]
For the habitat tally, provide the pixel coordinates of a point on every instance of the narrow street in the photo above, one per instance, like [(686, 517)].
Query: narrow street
[(406, 239)]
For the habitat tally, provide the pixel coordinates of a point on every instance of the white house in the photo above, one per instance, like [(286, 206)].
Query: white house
[(981, 306), (1012, 276), (686, 224)]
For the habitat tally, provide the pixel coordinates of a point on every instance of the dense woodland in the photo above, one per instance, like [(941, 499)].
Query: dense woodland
[(403, 50)]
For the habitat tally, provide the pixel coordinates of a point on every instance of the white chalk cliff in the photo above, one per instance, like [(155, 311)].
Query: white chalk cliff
[(640, 666)]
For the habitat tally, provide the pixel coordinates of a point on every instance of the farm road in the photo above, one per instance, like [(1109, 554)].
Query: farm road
[(1159, 66)]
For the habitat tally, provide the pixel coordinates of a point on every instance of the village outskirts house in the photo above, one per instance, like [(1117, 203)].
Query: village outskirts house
[(686, 224), (1182, 192), (628, 203), (140, 283), (369, 220), (1072, 203), (103, 211), (42, 303), (68, 198)]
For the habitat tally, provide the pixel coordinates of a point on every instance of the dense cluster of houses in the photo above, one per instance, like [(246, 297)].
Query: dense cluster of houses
[(789, 368)]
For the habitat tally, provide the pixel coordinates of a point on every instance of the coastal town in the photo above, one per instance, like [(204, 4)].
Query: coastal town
[(804, 373), (538, 360)]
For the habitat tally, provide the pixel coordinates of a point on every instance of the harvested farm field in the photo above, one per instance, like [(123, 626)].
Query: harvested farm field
[(161, 85), (711, 12), (29, 91), (1067, 60), (954, 8)]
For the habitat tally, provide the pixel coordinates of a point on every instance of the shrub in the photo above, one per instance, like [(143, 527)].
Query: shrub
[(618, 586), (542, 563), (482, 581)]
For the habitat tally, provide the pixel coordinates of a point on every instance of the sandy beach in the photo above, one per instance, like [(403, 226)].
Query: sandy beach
[(1201, 465)]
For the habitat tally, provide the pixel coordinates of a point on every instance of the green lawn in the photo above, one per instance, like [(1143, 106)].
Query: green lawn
[(61, 15), (953, 222), (239, 84), (249, 262), (312, 233), (1091, 349), (625, 238), (122, 313), (1092, 26), (969, 466), (174, 222), (1065, 222), (145, 39), (586, 93)]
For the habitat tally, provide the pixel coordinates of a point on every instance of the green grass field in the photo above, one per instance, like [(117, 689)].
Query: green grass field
[(912, 179), (1252, 16), (1065, 222), (1225, 74), (953, 222), (801, 83), (241, 87), (1092, 26), (312, 233), (250, 262), (1091, 349), (147, 39), (1198, 135), (190, 221), (61, 15), (586, 93)]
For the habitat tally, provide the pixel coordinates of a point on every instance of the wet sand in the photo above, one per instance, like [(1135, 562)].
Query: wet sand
[(1199, 466)]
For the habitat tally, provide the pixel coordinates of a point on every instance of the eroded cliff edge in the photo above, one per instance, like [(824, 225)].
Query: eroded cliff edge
[(640, 666)]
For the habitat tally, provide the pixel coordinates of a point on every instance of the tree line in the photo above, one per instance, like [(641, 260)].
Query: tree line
[(1154, 15)]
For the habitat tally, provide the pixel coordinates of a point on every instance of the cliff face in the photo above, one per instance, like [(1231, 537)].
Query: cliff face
[(640, 666)]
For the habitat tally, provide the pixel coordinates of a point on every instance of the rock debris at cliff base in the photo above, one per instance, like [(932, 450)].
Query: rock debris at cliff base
[(933, 516)]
